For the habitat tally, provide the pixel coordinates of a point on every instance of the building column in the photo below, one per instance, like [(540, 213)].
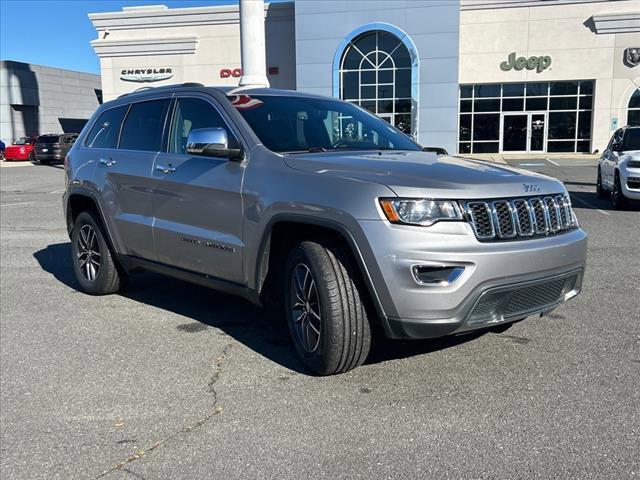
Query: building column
[(254, 63)]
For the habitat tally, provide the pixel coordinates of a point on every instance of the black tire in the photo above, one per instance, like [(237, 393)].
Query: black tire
[(600, 191), (344, 334), (45, 162), (618, 200), (108, 277), (32, 157)]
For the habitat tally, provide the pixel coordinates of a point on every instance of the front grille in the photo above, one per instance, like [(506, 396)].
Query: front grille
[(518, 301), (518, 218)]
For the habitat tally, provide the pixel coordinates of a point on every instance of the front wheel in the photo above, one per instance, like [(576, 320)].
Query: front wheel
[(618, 200), (325, 312), (95, 268), (600, 191)]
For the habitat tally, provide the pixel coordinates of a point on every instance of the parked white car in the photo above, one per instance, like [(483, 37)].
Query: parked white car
[(619, 168)]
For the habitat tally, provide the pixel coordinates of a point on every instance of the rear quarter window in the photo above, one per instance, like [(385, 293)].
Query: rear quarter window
[(104, 132)]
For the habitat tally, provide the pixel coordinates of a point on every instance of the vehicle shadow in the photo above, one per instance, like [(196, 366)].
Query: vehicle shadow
[(263, 331), (589, 200)]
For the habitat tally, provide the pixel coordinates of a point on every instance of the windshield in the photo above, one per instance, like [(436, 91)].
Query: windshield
[(631, 140), (293, 124)]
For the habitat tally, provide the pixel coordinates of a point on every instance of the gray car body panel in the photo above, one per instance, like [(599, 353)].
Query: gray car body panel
[(213, 217)]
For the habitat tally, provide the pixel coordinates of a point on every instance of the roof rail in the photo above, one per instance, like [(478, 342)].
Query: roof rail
[(175, 85)]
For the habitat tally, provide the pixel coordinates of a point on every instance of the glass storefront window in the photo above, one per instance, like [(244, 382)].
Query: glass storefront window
[(376, 73), (633, 112), (552, 116)]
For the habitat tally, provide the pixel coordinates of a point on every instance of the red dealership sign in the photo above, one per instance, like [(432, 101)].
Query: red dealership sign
[(237, 72)]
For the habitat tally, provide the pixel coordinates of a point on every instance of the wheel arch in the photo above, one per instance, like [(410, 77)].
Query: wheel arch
[(80, 200), (284, 230)]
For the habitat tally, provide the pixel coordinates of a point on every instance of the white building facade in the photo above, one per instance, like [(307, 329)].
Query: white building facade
[(511, 76)]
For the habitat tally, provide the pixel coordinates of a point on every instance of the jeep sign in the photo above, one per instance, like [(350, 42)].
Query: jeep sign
[(532, 63)]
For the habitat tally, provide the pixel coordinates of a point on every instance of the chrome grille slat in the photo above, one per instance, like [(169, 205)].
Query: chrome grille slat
[(505, 219)]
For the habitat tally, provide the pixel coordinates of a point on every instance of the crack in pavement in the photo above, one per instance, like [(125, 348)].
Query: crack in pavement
[(214, 410)]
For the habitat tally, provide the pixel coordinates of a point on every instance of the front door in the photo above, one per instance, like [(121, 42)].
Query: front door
[(514, 132), (197, 199), (524, 132)]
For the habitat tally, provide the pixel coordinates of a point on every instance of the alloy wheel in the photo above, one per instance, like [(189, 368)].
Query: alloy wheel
[(88, 255), (305, 308)]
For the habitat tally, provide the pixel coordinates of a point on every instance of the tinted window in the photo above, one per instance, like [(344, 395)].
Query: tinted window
[(48, 139), (191, 114), (144, 126), (104, 133), (631, 140), (299, 123)]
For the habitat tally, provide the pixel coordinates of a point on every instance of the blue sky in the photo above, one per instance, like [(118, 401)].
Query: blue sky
[(57, 33)]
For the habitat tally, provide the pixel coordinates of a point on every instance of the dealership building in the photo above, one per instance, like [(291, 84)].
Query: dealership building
[(35, 99), (473, 76)]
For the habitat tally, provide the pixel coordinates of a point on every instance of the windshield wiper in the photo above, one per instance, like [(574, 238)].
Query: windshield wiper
[(316, 149)]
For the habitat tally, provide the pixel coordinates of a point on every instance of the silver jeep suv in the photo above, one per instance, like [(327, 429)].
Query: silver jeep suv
[(317, 206)]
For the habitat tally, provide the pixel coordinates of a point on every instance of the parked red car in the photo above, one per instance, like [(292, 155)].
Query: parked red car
[(21, 150)]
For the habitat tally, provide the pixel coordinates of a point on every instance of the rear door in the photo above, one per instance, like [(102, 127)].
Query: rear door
[(123, 176), (198, 201)]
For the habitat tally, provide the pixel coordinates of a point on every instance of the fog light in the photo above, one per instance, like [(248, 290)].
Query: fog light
[(442, 276)]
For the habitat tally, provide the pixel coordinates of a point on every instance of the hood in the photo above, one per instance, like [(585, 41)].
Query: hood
[(424, 174)]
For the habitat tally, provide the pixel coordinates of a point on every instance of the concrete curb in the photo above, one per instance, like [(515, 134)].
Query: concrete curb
[(501, 158)]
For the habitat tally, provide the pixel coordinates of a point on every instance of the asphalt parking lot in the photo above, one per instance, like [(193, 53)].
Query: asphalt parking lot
[(171, 380)]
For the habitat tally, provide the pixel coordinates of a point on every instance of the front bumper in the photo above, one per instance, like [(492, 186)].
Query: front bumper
[(49, 156), (630, 182), (500, 271)]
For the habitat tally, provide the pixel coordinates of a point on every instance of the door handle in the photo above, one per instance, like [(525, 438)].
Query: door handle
[(107, 162), (165, 168)]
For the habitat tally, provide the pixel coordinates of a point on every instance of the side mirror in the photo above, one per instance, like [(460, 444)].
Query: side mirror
[(212, 142), (436, 150)]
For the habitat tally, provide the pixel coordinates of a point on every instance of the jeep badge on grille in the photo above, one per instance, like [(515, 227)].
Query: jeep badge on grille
[(530, 188)]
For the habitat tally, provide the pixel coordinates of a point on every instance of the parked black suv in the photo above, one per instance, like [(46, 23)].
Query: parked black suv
[(53, 147)]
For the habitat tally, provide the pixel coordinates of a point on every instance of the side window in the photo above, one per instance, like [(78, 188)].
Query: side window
[(144, 126), (191, 114), (617, 138), (104, 133)]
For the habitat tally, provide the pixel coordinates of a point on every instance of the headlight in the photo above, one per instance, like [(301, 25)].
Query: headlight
[(417, 211), (633, 164)]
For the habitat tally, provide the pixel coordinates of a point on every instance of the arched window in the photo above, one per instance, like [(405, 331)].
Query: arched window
[(375, 71), (633, 113)]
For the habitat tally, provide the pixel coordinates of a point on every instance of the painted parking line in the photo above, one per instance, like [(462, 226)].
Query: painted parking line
[(14, 204), (590, 205), (531, 164), (61, 190), (552, 162)]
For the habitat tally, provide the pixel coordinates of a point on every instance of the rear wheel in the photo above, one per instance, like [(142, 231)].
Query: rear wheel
[(95, 268), (600, 191), (618, 200), (32, 157), (325, 312)]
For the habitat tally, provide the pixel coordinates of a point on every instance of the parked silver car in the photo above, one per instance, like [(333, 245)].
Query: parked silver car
[(619, 168), (321, 206)]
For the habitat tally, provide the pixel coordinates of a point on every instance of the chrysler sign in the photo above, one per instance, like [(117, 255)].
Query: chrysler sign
[(145, 74)]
